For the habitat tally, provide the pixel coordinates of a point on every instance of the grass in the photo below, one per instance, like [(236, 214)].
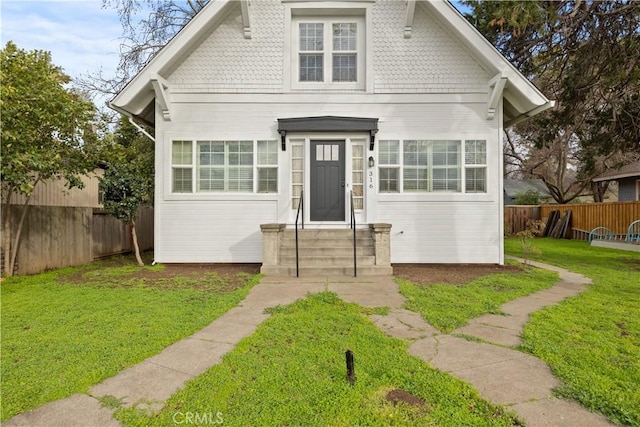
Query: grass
[(592, 341), (448, 307), (59, 337), (292, 372)]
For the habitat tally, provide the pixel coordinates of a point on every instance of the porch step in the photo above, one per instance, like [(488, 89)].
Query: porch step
[(326, 252), (369, 270)]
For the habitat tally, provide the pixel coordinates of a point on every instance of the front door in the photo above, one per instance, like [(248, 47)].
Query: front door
[(327, 180)]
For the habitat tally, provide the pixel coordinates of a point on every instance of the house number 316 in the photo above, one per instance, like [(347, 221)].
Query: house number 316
[(371, 179)]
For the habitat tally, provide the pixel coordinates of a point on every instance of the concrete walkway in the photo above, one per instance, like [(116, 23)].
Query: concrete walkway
[(501, 374)]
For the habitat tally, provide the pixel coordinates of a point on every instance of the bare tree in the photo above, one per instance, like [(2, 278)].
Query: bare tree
[(147, 26)]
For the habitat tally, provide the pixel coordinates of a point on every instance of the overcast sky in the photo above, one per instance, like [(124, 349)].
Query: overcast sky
[(81, 36)]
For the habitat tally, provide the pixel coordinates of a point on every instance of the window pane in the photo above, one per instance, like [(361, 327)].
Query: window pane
[(388, 153), (388, 180), (181, 153), (476, 181), (311, 68), (182, 181), (268, 152), (344, 67), (344, 36), (268, 180), (475, 152), (311, 37)]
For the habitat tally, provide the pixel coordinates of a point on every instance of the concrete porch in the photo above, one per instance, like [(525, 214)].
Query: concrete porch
[(326, 251)]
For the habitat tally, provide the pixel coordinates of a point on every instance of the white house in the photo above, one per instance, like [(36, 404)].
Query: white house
[(400, 104)]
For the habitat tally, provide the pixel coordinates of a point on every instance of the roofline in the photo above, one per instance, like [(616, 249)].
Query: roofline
[(617, 176)]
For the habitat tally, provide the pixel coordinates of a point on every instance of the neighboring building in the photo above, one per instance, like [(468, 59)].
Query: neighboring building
[(628, 178), (259, 104), (515, 187), (56, 193)]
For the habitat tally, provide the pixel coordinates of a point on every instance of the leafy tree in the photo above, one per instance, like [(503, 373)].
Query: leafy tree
[(586, 55), (47, 133), (128, 179)]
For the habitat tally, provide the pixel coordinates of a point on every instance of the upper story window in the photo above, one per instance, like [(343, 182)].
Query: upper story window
[(329, 52)]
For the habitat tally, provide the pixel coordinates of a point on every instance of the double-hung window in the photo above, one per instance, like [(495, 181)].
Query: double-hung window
[(432, 166), (224, 166), (475, 159), (329, 53)]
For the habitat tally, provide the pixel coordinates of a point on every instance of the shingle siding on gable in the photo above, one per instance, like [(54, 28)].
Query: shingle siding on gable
[(429, 61), (227, 62)]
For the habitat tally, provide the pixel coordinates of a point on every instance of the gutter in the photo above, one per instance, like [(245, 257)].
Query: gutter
[(130, 116), (522, 117)]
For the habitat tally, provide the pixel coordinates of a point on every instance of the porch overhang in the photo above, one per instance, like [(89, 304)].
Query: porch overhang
[(328, 124)]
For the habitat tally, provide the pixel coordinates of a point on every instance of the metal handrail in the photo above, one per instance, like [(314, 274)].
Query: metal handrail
[(300, 207), (353, 226)]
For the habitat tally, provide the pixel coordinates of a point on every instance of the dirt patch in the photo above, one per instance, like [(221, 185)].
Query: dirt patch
[(214, 277), (454, 274), (400, 396)]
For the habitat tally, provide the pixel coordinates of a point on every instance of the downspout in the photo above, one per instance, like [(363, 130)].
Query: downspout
[(130, 117)]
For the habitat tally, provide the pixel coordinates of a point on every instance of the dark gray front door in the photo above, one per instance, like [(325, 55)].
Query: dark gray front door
[(327, 181)]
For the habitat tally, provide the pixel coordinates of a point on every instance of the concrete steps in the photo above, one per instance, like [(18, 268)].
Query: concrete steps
[(326, 252)]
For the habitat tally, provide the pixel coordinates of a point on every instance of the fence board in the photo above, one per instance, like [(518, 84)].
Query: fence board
[(615, 215), (60, 236), (517, 217)]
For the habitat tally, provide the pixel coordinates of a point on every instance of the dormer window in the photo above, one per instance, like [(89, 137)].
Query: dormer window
[(328, 53)]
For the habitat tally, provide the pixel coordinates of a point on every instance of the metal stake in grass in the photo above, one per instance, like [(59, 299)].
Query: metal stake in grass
[(351, 373)]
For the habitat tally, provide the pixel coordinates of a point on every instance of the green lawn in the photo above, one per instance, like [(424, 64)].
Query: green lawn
[(292, 372), (66, 330), (592, 341), (448, 307)]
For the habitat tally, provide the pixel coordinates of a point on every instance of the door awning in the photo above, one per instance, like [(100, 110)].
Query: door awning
[(328, 124)]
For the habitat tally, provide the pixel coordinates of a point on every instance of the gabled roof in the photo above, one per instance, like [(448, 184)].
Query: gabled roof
[(521, 98), (626, 171)]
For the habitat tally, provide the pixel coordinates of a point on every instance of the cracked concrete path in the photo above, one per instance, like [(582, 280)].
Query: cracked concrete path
[(502, 375)]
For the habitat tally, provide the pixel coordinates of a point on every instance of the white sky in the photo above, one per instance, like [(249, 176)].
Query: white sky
[(81, 36)]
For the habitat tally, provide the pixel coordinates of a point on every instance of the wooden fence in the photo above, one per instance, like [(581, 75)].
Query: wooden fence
[(616, 215), (59, 236), (516, 218)]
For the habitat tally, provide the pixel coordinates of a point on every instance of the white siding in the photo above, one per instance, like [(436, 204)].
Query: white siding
[(442, 232), (437, 227), (213, 232)]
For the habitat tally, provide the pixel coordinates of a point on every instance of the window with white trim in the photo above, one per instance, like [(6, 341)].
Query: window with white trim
[(475, 160), (432, 166), (389, 166), (268, 166), (357, 175), (224, 166), (297, 172), (181, 166), (328, 52)]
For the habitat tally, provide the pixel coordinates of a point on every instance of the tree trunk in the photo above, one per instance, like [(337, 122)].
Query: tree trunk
[(16, 246), (136, 248), (6, 232)]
